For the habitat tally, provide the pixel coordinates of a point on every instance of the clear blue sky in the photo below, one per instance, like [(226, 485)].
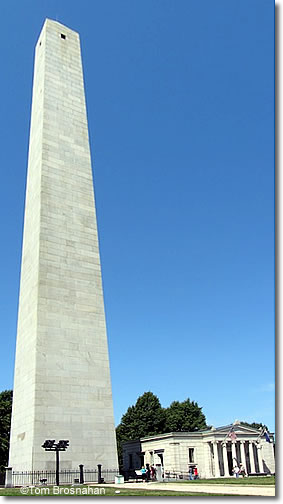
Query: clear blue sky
[(180, 101)]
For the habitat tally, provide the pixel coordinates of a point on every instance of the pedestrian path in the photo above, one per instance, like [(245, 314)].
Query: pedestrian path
[(253, 490)]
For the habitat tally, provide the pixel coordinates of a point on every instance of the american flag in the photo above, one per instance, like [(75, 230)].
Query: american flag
[(264, 433), (232, 434)]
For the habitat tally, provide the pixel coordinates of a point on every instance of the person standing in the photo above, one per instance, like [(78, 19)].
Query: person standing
[(153, 473), (147, 472), (143, 472)]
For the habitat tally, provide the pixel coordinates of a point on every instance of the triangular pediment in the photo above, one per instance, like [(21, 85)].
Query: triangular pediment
[(237, 428)]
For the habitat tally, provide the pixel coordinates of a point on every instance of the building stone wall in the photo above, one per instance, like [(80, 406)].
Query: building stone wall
[(268, 456), (62, 387), (214, 452)]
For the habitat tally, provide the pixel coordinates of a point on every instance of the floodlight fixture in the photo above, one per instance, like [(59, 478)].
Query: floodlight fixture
[(50, 445), (62, 445)]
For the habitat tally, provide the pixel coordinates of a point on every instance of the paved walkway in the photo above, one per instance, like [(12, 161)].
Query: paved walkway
[(261, 490)]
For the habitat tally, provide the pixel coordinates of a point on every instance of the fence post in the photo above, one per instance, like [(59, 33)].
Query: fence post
[(99, 473), (81, 466), (8, 478)]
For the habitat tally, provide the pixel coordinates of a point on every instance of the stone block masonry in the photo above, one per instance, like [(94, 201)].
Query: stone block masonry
[(62, 387)]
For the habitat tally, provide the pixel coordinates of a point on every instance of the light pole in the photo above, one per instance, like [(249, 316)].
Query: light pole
[(50, 445)]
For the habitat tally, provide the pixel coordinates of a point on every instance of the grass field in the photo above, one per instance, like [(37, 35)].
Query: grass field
[(109, 492)]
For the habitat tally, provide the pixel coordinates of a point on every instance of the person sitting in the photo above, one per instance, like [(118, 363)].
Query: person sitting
[(236, 471), (242, 471)]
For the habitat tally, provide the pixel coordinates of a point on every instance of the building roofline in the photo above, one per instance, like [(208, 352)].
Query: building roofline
[(200, 433), (171, 434)]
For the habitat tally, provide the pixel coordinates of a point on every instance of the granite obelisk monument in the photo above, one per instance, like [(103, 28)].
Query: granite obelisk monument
[(62, 387)]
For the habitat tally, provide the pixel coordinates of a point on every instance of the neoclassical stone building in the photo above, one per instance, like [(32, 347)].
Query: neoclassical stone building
[(212, 451)]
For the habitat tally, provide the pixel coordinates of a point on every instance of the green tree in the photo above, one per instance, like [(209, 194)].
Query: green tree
[(145, 418), (184, 416), (255, 425), (5, 424)]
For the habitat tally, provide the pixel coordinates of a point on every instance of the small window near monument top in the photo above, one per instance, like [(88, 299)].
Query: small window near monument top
[(191, 454), (63, 36)]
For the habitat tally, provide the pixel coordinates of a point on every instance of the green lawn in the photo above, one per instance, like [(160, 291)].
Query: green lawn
[(252, 480), (110, 492)]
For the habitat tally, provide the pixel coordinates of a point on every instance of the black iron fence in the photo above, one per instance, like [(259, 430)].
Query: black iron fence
[(172, 475), (107, 474), (66, 477)]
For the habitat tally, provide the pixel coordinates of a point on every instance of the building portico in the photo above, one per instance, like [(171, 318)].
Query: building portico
[(215, 452)]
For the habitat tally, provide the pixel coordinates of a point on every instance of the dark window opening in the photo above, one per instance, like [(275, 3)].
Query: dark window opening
[(130, 461), (160, 455), (191, 454), (63, 36)]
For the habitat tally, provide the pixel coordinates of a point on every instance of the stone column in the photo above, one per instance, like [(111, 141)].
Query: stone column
[(147, 458), (259, 456), (243, 455), (8, 479), (207, 471), (159, 472), (234, 454), (225, 460), (216, 460), (252, 459)]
